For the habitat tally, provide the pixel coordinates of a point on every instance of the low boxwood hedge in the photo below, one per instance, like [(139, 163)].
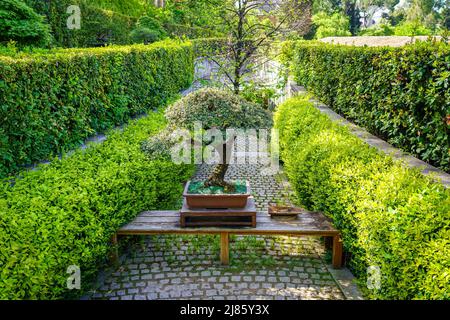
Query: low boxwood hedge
[(400, 94), (51, 102), (65, 213), (391, 216)]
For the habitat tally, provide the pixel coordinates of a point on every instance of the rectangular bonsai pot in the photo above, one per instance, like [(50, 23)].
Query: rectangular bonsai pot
[(216, 201)]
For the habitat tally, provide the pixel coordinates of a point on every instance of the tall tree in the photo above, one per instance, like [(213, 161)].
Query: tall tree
[(251, 26), (352, 11), (20, 23)]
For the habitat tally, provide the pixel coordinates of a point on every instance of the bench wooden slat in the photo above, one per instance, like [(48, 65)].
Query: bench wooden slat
[(308, 224)]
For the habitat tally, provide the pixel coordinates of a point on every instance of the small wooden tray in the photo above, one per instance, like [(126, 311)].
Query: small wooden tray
[(284, 212)]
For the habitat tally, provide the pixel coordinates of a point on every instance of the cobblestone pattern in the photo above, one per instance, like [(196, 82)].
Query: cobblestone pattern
[(177, 273)]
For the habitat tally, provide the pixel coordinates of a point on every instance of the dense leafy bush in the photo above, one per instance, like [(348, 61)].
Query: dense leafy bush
[(52, 102), (412, 28), (98, 26), (206, 47), (145, 35), (399, 94), (406, 28), (381, 29), (336, 25), (65, 213), (20, 23), (390, 216), (148, 30)]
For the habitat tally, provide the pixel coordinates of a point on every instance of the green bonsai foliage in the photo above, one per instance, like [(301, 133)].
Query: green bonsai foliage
[(20, 23), (215, 109), (218, 109), (158, 146)]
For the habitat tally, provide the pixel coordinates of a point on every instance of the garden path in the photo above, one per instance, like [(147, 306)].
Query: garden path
[(261, 267), (188, 267)]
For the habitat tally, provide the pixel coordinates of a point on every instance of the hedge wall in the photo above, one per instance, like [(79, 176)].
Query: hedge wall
[(65, 213), (390, 216), (50, 103), (205, 47), (400, 94), (98, 26)]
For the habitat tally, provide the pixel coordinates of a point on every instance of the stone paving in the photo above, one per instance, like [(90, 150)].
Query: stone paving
[(188, 267)]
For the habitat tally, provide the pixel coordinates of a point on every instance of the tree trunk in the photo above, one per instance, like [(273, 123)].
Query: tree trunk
[(217, 177)]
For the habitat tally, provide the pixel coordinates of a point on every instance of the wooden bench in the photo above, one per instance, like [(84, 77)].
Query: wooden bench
[(168, 222)]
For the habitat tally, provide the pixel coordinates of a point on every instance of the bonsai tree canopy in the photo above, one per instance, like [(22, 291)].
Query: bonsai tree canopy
[(221, 110)]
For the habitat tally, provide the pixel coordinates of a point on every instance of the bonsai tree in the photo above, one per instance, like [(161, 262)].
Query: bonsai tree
[(215, 109)]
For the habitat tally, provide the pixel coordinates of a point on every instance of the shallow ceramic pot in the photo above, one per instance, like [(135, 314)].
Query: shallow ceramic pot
[(216, 201)]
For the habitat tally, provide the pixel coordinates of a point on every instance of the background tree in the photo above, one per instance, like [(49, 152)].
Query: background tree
[(329, 26), (445, 16), (251, 26), (297, 15), (353, 14), (327, 6), (20, 23), (148, 30)]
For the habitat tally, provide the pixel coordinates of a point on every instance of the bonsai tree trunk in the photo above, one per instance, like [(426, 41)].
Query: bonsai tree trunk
[(217, 177)]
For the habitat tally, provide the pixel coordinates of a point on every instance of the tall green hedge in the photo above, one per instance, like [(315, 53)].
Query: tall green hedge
[(65, 213), (98, 26), (390, 216), (400, 94), (50, 103), (205, 47)]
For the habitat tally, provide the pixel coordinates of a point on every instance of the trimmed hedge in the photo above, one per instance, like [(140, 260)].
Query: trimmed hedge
[(50, 103), (390, 216), (65, 213), (206, 47), (399, 94)]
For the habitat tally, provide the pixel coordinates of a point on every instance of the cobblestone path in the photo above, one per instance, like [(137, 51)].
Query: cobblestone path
[(188, 267)]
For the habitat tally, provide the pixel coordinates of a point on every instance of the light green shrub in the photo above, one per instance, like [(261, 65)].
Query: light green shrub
[(390, 216), (65, 213)]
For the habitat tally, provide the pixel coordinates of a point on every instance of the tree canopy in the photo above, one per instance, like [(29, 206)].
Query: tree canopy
[(20, 23)]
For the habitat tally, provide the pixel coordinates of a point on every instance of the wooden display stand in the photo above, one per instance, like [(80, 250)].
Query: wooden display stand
[(244, 217)]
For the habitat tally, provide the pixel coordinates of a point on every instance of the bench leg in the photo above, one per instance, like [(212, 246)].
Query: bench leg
[(115, 252), (224, 248), (337, 252)]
